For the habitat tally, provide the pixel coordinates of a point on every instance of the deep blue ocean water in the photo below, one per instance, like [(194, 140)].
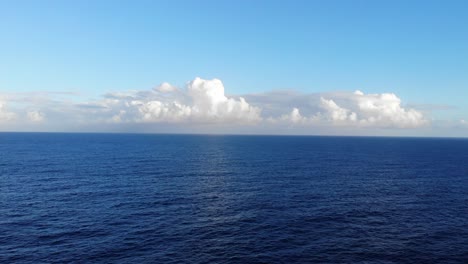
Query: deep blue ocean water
[(123, 198)]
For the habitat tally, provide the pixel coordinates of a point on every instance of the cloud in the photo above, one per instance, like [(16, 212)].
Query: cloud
[(433, 107), (202, 101), (205, 103), (356, 110), (35, 116), (336, 113), (157, 111), (5, 115), (385, 110), (211, 104), (293, 118), (166, 88)]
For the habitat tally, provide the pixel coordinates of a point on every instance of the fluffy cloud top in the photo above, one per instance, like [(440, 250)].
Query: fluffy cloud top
[(336, 113), (203, 102), (362, 110), (166, 88), (210, 103), (385, 110)]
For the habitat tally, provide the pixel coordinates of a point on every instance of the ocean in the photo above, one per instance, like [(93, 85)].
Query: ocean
[(143, 198)]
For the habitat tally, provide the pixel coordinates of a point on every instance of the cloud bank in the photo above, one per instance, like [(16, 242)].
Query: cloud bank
[(205, 103), (360, 110), (5, 114), (202, 101)]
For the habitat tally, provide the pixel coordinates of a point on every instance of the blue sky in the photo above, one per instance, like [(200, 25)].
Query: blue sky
[(417, 50)]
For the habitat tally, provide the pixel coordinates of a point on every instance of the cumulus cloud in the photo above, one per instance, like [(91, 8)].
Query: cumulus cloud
[(336, 113), (204, 102), (166, 88), (157, 111), (359, 110), (354, 110), (210, 103), (385, 110), (295, 116)]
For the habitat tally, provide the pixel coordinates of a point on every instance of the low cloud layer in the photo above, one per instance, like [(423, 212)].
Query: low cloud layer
[(201, 101), (359, 109), (5, 115), (204, 102)]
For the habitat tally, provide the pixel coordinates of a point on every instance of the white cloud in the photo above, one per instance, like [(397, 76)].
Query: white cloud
[(5, 115), (157, 111), (385, 110), (35, 116), (336, 113), (204, 102), (210, 103), (165, 88), (354, 110), (294, 117)]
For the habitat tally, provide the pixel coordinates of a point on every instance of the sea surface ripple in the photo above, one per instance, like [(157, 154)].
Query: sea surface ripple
[(126, 198)]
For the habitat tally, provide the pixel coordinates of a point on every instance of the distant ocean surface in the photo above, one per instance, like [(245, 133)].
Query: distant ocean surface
[(127, 198)]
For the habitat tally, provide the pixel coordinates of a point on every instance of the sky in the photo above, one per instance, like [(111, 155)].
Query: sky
[(249, 67)]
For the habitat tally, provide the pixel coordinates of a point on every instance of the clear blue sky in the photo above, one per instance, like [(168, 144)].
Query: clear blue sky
[(416, 49)]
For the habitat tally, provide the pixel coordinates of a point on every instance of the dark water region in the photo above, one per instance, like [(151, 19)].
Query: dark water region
[(117, 198)]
